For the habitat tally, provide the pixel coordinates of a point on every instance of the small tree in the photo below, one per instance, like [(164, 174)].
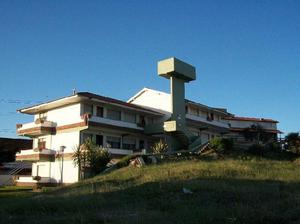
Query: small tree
[(89, 156), (160, 147), (293, 141), (221, 144)]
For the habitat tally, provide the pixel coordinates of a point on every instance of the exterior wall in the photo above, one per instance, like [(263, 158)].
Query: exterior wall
[(246, 124), (52, 171), (201, 118), (205, 135), (67, 139), (64, 115), (154, 99), (122, 122), (120, 134)]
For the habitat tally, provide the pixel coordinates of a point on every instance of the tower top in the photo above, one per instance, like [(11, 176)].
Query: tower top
[(176, 68)]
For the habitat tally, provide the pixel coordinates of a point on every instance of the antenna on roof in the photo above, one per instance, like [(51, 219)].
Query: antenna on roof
[(74, 91)]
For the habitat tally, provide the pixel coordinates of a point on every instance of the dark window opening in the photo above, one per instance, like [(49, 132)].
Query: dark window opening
[(99, 140), (99, 112)]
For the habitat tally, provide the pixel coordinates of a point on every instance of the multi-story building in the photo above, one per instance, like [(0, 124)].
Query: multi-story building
[(202, 120), (246, 130), (61, 125)]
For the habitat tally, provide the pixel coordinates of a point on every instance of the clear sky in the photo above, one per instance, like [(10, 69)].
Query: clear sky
[(247, 53)]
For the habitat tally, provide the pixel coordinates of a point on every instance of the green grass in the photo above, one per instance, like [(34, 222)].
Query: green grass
[(239, 190)]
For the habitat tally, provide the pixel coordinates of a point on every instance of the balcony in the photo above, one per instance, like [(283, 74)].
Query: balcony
[(36, 155), (37, 128), (95, 121), (221, 124)]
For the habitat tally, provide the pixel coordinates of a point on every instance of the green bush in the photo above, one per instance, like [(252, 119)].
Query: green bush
[(90, 158), (100, 159), (221, 144)]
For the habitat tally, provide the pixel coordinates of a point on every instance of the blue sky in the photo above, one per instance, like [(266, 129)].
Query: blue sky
[(246, 53)]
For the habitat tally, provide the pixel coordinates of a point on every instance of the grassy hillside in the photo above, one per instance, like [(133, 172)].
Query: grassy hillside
[(224, 191)]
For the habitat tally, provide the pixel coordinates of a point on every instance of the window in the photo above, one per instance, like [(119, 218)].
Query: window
[(113, 142), (86, 136), (129, 117), (114, 114), (142, 122), (210, 116), (99, 112), (194, 111), (41, 143), (88, 109), (129, 143), (99, 140), (141, 144)]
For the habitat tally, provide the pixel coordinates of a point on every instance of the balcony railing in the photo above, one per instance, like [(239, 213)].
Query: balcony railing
[(219, 123), (36, 155), (36, 128), (117, 123)]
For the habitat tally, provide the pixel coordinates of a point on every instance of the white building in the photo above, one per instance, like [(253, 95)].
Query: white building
[(65, 123), (202, 120)]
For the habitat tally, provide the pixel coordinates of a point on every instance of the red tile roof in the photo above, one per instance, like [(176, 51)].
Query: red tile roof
[(251, 119)]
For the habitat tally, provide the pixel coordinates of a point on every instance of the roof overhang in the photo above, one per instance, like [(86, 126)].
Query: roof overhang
[(51, 105), (85, 97)]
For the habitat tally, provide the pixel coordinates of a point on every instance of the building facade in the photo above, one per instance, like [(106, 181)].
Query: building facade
[(61, 125)]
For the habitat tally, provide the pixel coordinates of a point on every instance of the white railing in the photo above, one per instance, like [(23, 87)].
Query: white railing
[(35, 151), (34, 125), (220, 123), (115, 122)]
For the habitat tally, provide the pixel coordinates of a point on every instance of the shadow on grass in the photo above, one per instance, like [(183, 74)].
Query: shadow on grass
[(214, 200)]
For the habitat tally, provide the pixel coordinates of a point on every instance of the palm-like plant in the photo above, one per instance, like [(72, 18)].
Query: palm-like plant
[(160, 147), (89, 156)]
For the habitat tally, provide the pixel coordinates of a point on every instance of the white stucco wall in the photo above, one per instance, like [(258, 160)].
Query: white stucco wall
[(246, 124), (69, 139), (52, 170), (154, 99), (65, 115)]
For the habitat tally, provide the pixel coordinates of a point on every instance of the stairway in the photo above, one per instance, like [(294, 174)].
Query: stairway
[(13, 168)]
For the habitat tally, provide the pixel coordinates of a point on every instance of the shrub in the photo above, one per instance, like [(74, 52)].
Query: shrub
[(99, 159), (160, 147), (221, 144), (90, 157), (293, 142)]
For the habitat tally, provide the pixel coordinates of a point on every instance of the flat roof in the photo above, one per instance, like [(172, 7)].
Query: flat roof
[(80, 97)]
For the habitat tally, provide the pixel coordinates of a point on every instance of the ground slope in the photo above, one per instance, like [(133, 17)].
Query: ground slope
[(224, 191)]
